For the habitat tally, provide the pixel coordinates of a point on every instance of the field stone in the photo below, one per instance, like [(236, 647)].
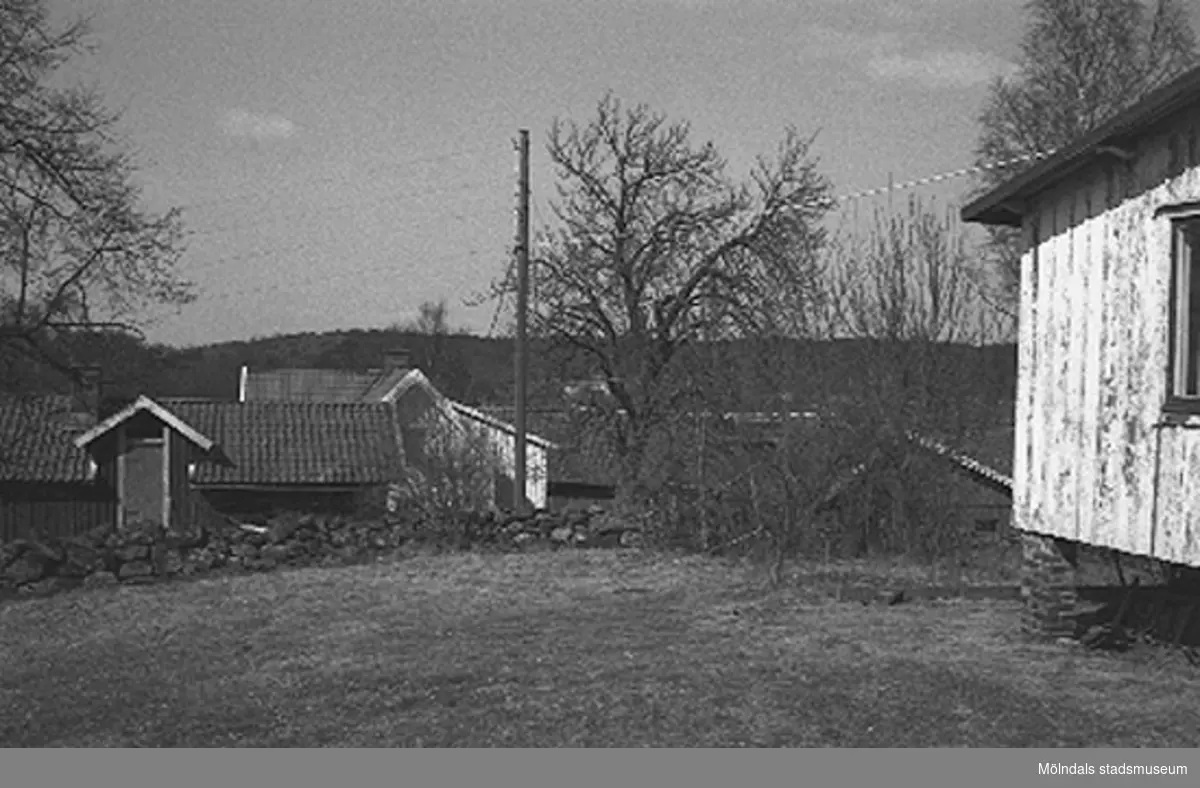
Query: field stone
[(172, 562), (562, 533), (611, 538), (26, 569), (135, 569), (276, 552), (282, 528), (49, 585), (81, 560), (12, 551), (100, 580), (244, 551), (49, 551), (133, 552)]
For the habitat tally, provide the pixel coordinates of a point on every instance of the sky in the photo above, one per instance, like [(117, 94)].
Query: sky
[(339, 163)]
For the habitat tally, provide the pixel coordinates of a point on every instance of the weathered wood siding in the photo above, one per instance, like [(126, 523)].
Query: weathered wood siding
[(1093, 461), (54, 509)]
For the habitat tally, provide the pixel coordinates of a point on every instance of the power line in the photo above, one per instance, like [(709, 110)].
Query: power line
[(941, 176), (937, 177), (912, 184)]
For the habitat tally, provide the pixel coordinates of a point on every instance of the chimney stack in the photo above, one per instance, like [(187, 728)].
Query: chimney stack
[(395, 359), (87, 390)]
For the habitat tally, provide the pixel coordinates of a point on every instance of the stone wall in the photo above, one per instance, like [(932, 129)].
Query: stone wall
[(147, 553), (1048, 586)]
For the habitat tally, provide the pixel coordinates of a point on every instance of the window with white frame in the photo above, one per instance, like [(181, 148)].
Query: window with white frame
[(1185, 313)]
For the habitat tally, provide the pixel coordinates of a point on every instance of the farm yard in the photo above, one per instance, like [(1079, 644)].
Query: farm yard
[(564, 648)]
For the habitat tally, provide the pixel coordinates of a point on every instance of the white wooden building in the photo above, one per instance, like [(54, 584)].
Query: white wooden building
[(1107, 444)]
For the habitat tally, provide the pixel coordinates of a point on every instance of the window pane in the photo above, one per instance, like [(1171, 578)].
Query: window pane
[(1190, 261), (1187, 310)]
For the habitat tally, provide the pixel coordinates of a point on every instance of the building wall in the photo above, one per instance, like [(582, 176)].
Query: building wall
[(504, 444), (54, 509), (262, 503), (424, 420), (1093, 461)]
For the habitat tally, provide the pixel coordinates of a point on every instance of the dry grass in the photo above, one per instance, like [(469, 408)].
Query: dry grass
[(589, 648)]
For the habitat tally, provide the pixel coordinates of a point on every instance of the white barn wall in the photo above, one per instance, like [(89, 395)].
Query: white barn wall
[(502, 443), (1093, 461), (419, 404)]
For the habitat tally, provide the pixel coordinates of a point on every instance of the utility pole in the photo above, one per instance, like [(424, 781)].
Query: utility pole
[(520, 355)]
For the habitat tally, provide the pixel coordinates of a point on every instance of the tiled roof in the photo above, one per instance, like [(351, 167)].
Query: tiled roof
[(318, 385), (36, 440), (303, 443), (987, 456), (484, 417), (384, 384), (553, 425)]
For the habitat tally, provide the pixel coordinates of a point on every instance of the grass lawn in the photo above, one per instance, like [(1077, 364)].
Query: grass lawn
[(571, 648)]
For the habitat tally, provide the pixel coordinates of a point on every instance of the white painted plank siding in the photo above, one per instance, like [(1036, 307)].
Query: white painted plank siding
[(1093, 462)]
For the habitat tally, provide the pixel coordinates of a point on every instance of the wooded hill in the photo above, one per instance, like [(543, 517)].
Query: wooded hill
[(477, 370)]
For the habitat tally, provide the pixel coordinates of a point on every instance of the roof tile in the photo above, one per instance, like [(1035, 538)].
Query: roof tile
[(36, 440), (311, 443)]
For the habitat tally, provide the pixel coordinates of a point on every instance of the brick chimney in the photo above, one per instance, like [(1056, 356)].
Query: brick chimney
[(86, 387), (396, 359)]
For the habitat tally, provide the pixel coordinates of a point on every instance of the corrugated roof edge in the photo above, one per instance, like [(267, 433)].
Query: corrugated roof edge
[(991, 208)]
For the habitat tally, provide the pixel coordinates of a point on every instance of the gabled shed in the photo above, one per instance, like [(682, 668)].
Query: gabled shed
[(146, 451)]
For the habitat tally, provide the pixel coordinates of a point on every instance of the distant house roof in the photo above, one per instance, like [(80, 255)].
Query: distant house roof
[(37, 440), (988, 456), (554, 425), (484, 418), (318, 385), (1003, 205), (297, 443)]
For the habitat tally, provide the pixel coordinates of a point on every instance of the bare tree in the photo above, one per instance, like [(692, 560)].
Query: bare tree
[(1081, 62), (657, 247), (76, 249), (433, 319), (906, 290)]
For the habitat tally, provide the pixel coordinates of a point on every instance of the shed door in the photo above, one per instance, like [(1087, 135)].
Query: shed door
[(143, 492)]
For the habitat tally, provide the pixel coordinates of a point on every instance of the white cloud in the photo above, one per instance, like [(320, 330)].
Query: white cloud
[(240, 123), (940, 69), (822, 41)]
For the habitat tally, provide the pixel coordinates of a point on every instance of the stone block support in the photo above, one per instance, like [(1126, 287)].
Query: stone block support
[(1048, 586)]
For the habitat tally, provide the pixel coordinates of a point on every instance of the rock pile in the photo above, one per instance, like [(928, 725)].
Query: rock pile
[(146, 553)]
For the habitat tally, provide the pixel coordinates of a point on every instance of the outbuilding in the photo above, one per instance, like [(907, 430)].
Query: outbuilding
[(1107, 450)]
